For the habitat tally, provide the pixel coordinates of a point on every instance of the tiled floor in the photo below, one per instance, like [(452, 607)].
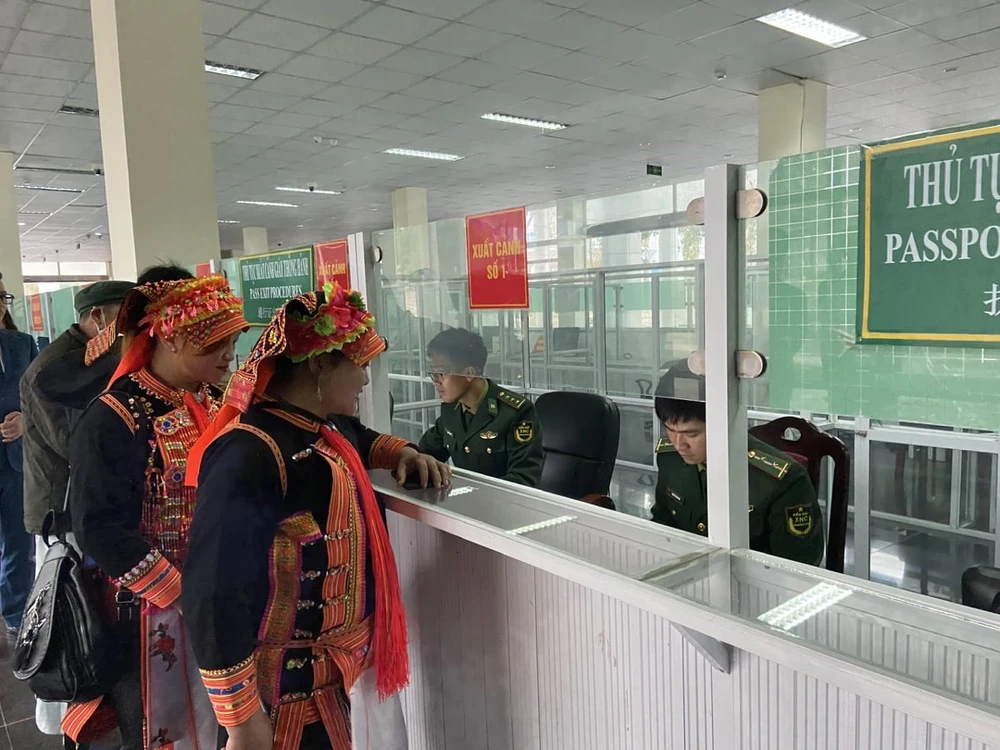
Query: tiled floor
[(17, 713)]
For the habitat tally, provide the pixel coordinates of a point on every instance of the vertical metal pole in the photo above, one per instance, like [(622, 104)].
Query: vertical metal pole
[(862, 498), (726, 418), (601, 333), (373, 405), (526, 346), (995, 503), (654, 303), (699, 304)]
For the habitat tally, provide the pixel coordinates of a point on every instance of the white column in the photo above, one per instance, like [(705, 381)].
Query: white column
[(409, 207), (254, 241), (153, 98), (10, 241), (791, 119), (411, 244)]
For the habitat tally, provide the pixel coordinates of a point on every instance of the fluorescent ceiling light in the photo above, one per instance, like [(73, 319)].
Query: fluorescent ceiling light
[(422, 154), (228, 221), (21, 224), (803, 24), (805, 606), (309, 190), (68, 109), (526, 121), (235, 71), (268, 203), (49, 188), (34, 213)]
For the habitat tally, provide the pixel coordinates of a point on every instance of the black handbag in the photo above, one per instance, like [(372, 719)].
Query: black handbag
[(65, 649)]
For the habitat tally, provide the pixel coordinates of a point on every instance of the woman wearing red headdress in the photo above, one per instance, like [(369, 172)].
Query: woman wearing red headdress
[(130, 507), (290, 588)]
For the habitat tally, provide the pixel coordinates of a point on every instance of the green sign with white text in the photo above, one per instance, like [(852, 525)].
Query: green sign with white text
[(268, 281), (929, 232)]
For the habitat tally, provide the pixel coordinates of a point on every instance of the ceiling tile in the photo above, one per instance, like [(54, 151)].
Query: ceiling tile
[(421, 124), (220, 19), (248, 55), (323, 108), (450, 9), (468, 41), (394, 25), (319, 68), (873, 25), (354, 49), (380, 79), (964, 24), (576, 66), (440, 91), (344, 127), (327, 14), (278, 32), (12, 12), (405, 104), (916, 12), (263, 100), (979, 43), (54, 19), (278, 83), (627, 78), (44, 68), (478, 73), (695, 21), (349, 95), (52, 46), (273, 131), (523, 53), (573, 31), (627, 46), (243, 114), (420, 61), (513, 16), (933, 55), (634, 12)]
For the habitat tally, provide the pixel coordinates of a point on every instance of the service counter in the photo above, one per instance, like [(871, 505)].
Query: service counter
[(537, 621)]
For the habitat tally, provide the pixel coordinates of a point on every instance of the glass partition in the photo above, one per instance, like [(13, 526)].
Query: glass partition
[(919, 422)]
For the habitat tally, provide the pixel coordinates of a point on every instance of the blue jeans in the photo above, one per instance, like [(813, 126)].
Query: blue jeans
[(17, 569)]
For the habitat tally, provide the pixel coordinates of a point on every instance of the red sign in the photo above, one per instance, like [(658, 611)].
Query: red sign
[(497, 249), (37, 321), (203, 269), (332, 264)]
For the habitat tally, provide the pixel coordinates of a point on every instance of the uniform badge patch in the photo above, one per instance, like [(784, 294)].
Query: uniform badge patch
[(524, 432), (799, 519), (488, 435)]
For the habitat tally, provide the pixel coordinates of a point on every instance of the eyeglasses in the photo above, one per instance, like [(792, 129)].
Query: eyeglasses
[(8, 297), (437, 376)]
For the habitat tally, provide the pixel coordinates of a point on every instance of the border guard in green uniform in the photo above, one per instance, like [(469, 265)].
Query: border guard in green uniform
[(785, 517), (483, 427)]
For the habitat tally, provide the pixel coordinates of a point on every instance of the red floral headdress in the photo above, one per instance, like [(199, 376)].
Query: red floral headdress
[(204, 310)]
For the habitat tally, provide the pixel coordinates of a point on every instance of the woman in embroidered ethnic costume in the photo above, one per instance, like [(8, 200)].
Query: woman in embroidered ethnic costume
[(290, 587), (131, 509)]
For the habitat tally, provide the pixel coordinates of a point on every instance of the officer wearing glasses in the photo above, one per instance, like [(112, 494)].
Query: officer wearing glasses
[(483, 427)]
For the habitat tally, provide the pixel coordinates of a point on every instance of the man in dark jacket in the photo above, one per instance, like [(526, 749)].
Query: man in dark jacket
[(77, 361)]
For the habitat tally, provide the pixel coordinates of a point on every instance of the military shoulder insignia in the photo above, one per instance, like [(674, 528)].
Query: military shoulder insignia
[(524, 432), (799, 519), (511, 399), (770, 465), (665, 446), (488, 435)]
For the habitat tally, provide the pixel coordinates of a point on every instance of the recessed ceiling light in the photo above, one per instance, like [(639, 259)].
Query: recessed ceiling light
[(234, 71), (301, 225), (21, 224), (550, 166), (526, 121), (68, 109), (854, 130), (727, 156), (309, 190), (268, 203), (228, 221), (33, 213), (811, 27), (422, 154), (49, 188), (951, 69), (645, 144)]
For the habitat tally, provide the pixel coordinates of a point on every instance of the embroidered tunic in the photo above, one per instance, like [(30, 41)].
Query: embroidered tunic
[(278, 586)]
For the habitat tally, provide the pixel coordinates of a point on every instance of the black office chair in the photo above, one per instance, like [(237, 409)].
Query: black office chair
[(580, 443), (981, 588)]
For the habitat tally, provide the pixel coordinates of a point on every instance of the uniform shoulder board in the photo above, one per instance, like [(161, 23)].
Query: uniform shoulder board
[(511, 399), (665, 446), (772, 465)]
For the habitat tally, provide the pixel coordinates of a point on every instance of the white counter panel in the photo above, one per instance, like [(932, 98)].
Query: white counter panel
[(506, 656)]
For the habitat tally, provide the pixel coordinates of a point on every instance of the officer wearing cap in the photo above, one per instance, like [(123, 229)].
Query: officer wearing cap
[(785, 518), (483, 427)]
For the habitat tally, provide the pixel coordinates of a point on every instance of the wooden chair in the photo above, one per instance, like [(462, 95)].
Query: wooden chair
[(808, 445)]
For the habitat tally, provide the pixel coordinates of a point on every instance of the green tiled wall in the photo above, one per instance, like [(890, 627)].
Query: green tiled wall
[(814, 364)]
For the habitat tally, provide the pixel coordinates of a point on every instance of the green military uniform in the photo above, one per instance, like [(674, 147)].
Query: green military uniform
[(785, 518), (502, 438)]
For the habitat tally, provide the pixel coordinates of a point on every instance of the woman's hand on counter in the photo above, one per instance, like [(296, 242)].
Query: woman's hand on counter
[(430, 471)]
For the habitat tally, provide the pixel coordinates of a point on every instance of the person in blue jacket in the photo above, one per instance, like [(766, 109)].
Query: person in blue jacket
[(17, 571)]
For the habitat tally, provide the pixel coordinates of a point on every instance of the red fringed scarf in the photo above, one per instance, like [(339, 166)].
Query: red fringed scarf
[(392, 664)]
